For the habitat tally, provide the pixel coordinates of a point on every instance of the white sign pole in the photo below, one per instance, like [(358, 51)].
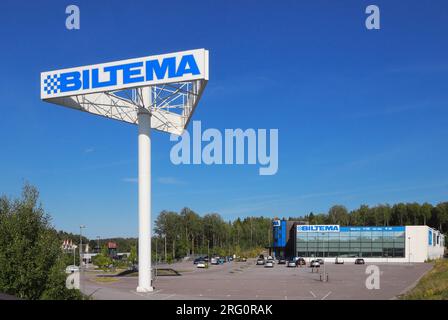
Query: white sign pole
[(144, 193)]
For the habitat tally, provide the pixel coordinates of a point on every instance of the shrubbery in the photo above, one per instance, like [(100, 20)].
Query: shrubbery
[(31, 259)]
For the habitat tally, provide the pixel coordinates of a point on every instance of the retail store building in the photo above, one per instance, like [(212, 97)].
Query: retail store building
[(374, 244)]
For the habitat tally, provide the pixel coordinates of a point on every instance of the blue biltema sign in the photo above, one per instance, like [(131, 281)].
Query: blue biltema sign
[(318, 228), (126, 74)]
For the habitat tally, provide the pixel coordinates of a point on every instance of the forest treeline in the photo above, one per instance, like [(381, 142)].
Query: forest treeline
[(177, 234)]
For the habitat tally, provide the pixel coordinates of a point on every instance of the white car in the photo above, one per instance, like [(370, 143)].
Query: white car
[(314, 264), (71, 269), (201, 264), (339, 261), (269, 264)]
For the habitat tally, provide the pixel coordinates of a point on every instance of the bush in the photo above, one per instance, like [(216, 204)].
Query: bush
[(31, 259)]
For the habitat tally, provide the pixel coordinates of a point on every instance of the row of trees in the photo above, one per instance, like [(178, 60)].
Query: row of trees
[(185, 233), (385, 215)]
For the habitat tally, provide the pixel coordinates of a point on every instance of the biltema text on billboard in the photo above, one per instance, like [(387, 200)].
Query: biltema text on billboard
[(125, 74), (319, 228)]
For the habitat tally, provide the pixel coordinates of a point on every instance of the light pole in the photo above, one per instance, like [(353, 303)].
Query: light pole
[(80, 245), (165, 247), (98, 244), (74, 254)]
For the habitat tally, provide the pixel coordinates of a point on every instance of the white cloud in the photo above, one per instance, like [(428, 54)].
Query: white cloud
[(170, 180), (131, 180)]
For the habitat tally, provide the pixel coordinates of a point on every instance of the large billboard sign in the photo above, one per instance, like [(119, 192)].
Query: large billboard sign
[(125, 74)]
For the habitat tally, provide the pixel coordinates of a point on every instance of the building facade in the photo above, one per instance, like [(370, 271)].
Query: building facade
[(284, 237), (374, 244)]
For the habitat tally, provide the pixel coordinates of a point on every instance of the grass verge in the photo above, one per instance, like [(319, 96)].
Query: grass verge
[(433, 285)]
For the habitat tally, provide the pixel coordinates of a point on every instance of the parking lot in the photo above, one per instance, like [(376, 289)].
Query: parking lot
[(246, 280)]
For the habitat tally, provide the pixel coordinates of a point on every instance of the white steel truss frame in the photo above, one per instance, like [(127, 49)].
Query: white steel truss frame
[(171, 106)]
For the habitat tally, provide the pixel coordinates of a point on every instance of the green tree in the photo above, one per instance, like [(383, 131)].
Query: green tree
[(338, 215), (102, 260), (133, 256), (31, 259)]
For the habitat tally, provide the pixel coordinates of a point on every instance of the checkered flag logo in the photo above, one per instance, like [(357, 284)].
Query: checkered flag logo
[(52, 84)]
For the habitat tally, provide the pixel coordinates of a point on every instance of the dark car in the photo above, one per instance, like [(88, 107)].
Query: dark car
[(300, 262), (281, 260), (197, 260), (359, 261)]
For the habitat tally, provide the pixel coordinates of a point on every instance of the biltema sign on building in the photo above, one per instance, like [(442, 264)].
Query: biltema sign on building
[(318, 228), (124, 74)]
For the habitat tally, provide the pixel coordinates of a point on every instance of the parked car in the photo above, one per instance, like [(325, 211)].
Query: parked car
[(281, 260), (269, 263), (360, 261), (197, 260), (300, 261), (201, 264), (261, 261), (221, 261), (314, 264), (339, 260), (291, 263), (214, 260), (71, 269), (205, 259), (321, 261)]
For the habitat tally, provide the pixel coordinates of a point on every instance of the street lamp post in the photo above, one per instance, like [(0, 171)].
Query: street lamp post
[(165, 248), (80, 245), (98, 244)]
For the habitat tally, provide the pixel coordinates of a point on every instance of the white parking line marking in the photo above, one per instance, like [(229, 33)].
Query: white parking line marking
[(313, 294), (326, 295), (171, 295)]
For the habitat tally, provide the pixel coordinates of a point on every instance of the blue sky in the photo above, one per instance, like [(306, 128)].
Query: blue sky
[(362, 115)]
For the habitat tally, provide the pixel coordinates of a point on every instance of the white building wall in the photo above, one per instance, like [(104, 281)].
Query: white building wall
[(416, 244), (436, 249), (417, 248)]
